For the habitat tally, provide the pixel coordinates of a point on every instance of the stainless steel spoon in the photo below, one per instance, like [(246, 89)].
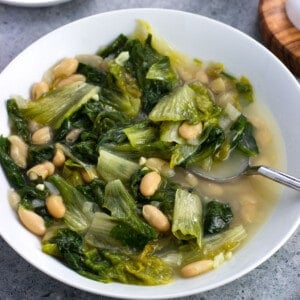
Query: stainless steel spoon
[(217, 174)]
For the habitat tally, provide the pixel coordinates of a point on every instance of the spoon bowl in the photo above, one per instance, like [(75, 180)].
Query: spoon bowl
[(238, 166)]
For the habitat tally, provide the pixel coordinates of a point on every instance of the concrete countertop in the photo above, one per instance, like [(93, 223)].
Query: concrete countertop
[(277, 278)]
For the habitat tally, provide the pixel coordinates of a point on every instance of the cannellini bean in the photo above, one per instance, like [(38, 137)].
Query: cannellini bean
[(86, 177), (202, 76), (91, 60), (50, 167), (156, 218), (33, 126), (191, 180), (32, 221), (59, 158), (248, 212), (73, 135), (42, 136), (65, 68), (197, 268), (69, 80), (18, 150), (185, 74), (190, 131), (150, 183), (248, 207), (38, 171), (155, 164), (226, 98), (38, 89), (263, 136), (14, 199), (160, 166), (213, 189), (55, 206), (217, 85)]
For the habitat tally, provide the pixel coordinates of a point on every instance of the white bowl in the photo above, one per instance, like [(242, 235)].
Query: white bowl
[(199, 37), (33, 3)]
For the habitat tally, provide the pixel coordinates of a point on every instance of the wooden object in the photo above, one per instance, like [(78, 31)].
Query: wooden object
[(279, 34)]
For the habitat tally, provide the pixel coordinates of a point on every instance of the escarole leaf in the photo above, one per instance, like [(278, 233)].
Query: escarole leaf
[(115, 100), (99, 233), (179, 105), (187, 217), (142, 57), (245, 89), (55, 106), (18, 122), (79, 211), (223, 242), (133, 231), (242, 137), (94, 75), (217, 217), (169, 132), (13, 173), (181, 153), (161, 70), (75, 162), (115, 47), (107, 265), (141, 134), (111, 166), (177, 59), (124, 81), (147, 269), (208, 111), (212, 140)]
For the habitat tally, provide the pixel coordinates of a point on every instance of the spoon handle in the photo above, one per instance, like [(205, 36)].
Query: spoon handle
[(276, 175)]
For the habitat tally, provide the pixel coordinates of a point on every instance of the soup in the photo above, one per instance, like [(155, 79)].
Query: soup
[(99, 160)]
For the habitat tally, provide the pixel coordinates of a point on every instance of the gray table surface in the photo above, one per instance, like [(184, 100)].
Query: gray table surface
[(277, 278)]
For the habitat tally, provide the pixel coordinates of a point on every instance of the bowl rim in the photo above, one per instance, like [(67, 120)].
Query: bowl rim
[(235, 276)]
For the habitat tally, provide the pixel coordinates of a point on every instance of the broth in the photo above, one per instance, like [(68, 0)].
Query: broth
[(252, 198)]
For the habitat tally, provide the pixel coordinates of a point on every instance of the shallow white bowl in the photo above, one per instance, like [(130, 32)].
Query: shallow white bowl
[(33, 3), (199, 37)]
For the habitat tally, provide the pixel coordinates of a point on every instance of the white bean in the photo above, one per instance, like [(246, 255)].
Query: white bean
[(42, 136), (217, 85), (38, 171), (160, 166), (197, 268), (55, 206), (49, 166), (14, 199), (156, 218), (73, 135), (202, 76), (38, 89), (32, 221), (65, 68), (214, 189), (191, 180), (248, 208), (59, 158), (190, 131), (69, 80), (150, 183), (33, 126), (18, 150)]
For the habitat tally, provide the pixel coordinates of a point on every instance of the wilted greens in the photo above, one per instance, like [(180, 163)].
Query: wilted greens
[(122, 136)]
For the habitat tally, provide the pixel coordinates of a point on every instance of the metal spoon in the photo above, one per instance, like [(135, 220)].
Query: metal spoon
[(244, 168)]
